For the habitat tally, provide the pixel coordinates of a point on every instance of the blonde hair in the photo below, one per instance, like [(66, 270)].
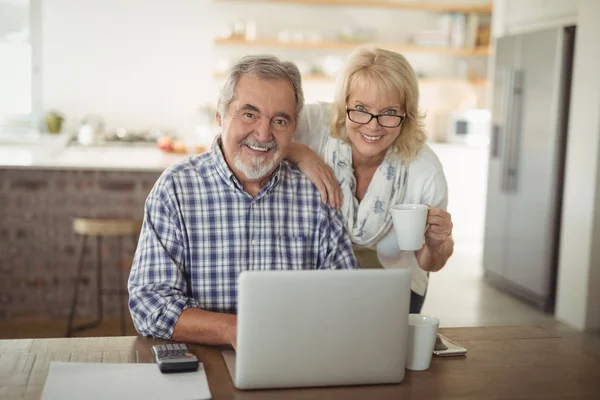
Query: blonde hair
[(392, 73)]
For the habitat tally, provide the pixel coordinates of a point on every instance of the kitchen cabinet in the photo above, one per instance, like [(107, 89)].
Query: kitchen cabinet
[(518, 16)]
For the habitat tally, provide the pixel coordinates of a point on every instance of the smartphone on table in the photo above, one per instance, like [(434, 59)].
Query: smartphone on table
[(445, 347)]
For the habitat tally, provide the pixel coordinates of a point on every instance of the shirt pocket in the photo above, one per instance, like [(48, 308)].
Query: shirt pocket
[(292, 252)]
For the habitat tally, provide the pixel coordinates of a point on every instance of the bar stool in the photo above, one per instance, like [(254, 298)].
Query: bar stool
[(101, 228)]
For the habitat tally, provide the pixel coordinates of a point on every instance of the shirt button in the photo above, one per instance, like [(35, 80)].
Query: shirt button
[(253, 242)]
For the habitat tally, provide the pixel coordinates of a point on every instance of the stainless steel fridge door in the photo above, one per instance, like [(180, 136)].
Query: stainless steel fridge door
[(531, 165), (496, 229)]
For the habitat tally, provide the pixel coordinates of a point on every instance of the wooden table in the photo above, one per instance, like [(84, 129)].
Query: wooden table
[(502, 363)]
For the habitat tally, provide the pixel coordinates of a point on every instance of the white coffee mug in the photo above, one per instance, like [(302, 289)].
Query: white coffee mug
[(410, 223), (422, 333)]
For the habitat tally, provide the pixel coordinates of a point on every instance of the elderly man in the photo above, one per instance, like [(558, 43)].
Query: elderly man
[(239, 207)]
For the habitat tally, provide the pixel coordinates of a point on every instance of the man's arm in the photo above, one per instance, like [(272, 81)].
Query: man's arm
[(158, 300), (200, 326)]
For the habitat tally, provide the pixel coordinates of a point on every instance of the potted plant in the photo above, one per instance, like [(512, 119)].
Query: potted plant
[(54, 121)]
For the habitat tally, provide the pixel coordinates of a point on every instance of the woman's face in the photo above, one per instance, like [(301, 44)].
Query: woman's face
[(371, 140)]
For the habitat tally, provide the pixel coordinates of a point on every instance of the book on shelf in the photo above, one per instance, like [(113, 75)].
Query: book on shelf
[(456, 31), (477, 31)]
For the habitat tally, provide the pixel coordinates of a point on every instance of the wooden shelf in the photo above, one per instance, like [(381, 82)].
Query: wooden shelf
[(305, 77), (389, 4), (400, 48), (453, 81), (422, 81)]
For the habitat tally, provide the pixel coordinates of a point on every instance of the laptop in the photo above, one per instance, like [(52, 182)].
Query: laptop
[(320, 328)]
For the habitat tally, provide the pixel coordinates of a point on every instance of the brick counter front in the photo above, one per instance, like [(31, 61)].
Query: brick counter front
[(38, 249)]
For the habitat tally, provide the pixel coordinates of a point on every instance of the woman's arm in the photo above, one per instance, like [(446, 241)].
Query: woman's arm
[(310, 137), (439, 244), (317, 171)]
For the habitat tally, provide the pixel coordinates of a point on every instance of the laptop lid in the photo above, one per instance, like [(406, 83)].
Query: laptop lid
[(321, 328)]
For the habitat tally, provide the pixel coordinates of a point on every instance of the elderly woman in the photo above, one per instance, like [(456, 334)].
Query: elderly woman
[(371, 140)]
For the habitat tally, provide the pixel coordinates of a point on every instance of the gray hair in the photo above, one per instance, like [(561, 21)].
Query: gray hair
[(265, 67)]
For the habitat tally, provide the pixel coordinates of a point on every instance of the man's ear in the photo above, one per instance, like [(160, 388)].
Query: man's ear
[(218, 117)]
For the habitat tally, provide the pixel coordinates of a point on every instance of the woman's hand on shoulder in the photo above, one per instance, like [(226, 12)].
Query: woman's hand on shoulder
[(318, 172)]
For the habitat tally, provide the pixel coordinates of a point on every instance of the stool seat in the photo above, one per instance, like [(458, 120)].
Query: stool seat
[(106, 227)]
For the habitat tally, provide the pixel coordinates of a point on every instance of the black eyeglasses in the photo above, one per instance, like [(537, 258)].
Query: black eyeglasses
[(385, 120)]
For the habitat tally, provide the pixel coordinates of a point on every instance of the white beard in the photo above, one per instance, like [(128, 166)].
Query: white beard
[(257, 168)]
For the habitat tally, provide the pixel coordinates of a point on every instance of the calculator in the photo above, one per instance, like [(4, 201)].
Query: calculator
[(174, 357)]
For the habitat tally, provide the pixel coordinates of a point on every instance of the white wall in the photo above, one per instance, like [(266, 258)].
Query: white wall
[(593, 306), (144, 63), (578, 296), (138, 63)]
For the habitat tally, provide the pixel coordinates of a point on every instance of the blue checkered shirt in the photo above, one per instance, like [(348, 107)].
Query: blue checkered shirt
[(201, 229)]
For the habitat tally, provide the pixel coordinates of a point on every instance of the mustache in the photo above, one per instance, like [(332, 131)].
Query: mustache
[(255, 143)]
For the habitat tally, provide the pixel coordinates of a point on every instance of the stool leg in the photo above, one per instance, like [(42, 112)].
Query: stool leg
[(99, 291), (80, 255), (99, 288), (121, 291)]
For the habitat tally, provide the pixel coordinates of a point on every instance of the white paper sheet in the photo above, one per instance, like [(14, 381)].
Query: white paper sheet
[(93, 381)]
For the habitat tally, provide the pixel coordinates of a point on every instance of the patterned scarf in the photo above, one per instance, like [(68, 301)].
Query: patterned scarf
[(368, 221)]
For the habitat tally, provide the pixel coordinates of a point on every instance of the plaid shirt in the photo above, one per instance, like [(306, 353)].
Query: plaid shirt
[(201, 229)]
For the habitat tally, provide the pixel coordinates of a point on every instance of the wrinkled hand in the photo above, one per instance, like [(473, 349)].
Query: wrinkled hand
[(322, 176), (440, 228)]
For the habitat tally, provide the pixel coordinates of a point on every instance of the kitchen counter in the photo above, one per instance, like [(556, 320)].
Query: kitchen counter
[(103, 158), (45, 151), (114, 158)]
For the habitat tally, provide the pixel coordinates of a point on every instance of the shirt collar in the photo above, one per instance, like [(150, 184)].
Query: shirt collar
[(230, 178)]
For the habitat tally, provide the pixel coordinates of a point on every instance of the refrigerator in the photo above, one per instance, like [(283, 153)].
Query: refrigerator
[(530, 114)]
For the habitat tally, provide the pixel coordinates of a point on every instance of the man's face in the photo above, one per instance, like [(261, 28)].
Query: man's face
[(257, 127)]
